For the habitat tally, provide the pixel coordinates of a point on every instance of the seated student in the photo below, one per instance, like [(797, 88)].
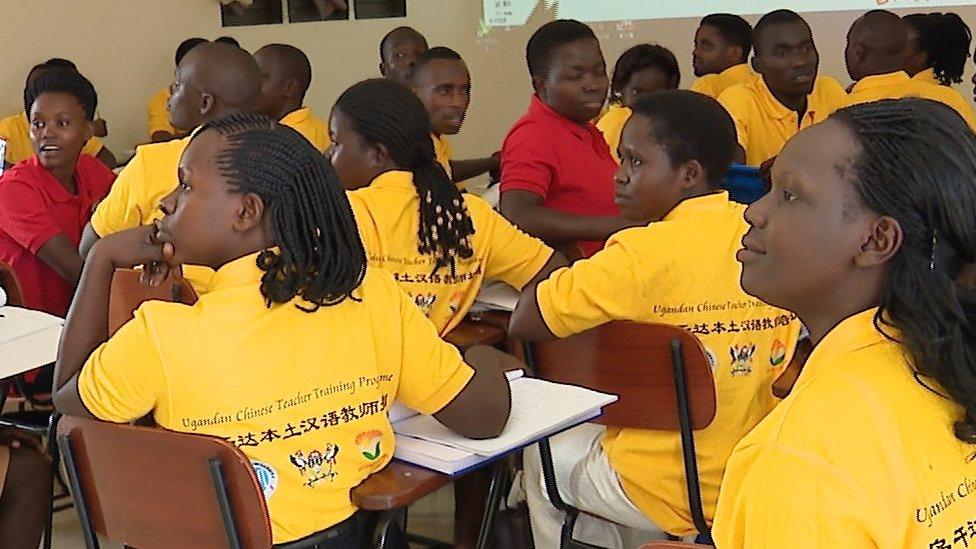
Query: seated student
[(642, 68), (286, 75), (789, 96), (212, 80), (938, 46), (25, 489), (721, 55), (399, 49), (442, 82), (160, 127), (874, 55), (288, 315), (16, 130), (47, 199), (557, 171), (868, 237), (674, 151), (439, 244)]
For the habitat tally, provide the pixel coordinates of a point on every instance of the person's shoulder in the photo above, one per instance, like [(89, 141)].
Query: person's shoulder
[(706, 84), (10, 121), (826, 84), (739, 95)]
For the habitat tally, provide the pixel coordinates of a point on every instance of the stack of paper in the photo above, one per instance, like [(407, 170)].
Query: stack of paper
[(495, 295), (539, 409), (28, 339)]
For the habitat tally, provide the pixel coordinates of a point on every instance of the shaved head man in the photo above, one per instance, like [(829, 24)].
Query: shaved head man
[(399, 50), (286, 74), (875, 44), (213, 80)]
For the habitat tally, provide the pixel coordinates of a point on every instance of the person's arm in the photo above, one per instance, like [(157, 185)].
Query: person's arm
[(462, 170), (107, 158), (160, 136), (488, 392), (525, 209), (60, 254), (88, 239)]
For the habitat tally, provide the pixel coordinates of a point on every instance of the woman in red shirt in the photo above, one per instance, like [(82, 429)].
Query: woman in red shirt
[(46, 200)]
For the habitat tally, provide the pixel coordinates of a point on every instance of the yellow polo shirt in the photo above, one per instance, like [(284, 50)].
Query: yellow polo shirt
[(387, 213), (442, 152), (611, 124), (159, 114), (303, 395), (928, 76), (713, 85), (860, 454), (682, 271), (310, 126), (763, 124), (896, 85), (16, 130)]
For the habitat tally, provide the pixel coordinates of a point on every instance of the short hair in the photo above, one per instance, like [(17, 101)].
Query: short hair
[(407, 30), (691, 126), (437, 52), (776, 17), (187, 45), (228, 40), (733, 29), (52, 63), (640, 57), (63, 81), (547, 38), (946, 39)]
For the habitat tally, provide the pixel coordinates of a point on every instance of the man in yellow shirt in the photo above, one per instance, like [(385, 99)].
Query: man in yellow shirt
[(286, 75), (721, 55), (160, 127), (399, 50), (678, 269), (442, 82), (789, 96), (874, 55)]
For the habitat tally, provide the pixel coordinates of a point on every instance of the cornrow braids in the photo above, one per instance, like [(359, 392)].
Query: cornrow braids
[(929, 291), (320, 256), (387, 113)]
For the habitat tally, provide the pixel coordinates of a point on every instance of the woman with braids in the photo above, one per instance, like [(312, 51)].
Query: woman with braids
[(307, 344), (938, 46), (868, 235), (439, 245)]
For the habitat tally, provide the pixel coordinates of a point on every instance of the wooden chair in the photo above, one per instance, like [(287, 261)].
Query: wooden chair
[(151, 488), (663, 378), (127, 293)]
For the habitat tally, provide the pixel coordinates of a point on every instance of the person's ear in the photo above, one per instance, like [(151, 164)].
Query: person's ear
[(735, 53), (89, 130), (692, 174), (539, 86), (293, 88), (250, 212), (882, 242), (207, 104), (378, 156), (383, 69), (756, 64)]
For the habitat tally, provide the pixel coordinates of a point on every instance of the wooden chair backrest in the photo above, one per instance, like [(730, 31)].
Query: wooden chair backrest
[(127, 293), (10, 285), (148, 487), (633, 360)]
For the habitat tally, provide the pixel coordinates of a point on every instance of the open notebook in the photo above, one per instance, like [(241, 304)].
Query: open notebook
[(539, 409), (28, 339)]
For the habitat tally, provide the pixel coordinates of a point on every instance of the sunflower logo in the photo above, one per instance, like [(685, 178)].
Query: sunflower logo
[(369, 443)]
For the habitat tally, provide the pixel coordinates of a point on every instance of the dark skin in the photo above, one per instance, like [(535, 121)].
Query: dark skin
[(59, 129), (648, 186), (575, 86), (444, 87), (875, 45), (646, 80), (212, 80), (26, 490), (916, 59), (284, 81), (400, 52), (206, 223), (813, 247), (713, 53), (787, 59)]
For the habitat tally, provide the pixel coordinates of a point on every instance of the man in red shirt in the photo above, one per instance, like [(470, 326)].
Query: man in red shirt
[(46, 200), (557, 171)]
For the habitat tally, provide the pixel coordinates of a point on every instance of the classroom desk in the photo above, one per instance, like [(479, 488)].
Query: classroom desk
[(21, 352)]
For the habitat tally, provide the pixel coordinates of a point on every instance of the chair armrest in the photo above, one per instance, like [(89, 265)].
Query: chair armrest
[(397, 485)]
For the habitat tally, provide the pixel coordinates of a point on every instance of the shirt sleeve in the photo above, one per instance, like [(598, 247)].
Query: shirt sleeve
[(120, 210), (704, 86), (93, 147), (594, 291), (513, 256), (762, 503), (25, 216), (432, 372), (834, 94), (528, 161), (123, 378), (735, 103)]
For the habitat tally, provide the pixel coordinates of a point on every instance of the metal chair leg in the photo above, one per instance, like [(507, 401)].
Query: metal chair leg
[(491, 504)]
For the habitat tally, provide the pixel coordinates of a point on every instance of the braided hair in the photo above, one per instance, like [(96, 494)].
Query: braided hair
[(387, 113), (929, 292), (946, 39), (320, 256)]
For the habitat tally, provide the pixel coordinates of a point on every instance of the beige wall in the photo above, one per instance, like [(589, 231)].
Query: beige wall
[(126, 48)]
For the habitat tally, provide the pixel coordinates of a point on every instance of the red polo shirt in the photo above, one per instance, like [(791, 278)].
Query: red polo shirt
[(34, 208), (568, 165)]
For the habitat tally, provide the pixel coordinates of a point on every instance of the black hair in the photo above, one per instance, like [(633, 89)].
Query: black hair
[(946, 39), (320, 256), (437, 52), (387, 113), (548, 38), (929, 292), (775, 17), (690, 126), (733, 29), (409, 30), (638, 58), (63, 81), (228, 40), (52, 63), (187, 45)]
